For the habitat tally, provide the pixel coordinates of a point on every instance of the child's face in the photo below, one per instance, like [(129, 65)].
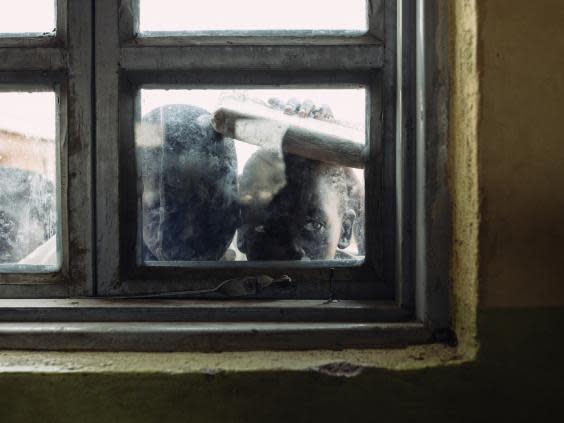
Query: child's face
[(303, 221)]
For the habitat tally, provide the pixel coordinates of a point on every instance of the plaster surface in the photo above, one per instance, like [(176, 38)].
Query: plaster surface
[(415, 357), (515, 377), (521, 152), (463, 168)]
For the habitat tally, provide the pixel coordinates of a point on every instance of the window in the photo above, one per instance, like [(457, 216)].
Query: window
[(327, 245), (30, 183), (248, 199), (218, 17), (16, 19), (134, 257), (45, 148)]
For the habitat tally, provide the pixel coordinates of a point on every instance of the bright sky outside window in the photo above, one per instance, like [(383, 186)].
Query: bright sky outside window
[(253, 15), (27, 16), (28, 182)]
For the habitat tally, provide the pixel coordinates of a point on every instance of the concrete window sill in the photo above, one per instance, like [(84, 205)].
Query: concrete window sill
[(345, 363)]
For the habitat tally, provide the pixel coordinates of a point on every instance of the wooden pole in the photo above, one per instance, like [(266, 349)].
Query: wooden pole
[(272, 129)]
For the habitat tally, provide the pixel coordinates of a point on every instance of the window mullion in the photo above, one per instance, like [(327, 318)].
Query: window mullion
[(79, 148), (107, 68)]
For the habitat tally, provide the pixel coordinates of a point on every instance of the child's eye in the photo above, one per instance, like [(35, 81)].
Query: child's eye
[(314, 226), (260, 229)]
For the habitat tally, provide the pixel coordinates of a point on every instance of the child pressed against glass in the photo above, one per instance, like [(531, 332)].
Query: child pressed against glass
[(293, 208), (189, 186)]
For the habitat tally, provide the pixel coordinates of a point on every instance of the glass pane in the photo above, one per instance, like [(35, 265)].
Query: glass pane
[(253, 15), (28, 16), (208, 197), (29, 240)]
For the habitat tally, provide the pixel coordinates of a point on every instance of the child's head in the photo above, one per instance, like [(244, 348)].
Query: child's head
[(293, 208), (189, 186)]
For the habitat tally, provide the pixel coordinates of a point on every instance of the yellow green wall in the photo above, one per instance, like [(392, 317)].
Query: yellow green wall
[(507, 113), (521, 153)]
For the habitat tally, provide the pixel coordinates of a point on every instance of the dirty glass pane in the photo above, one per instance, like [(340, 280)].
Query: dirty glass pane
[(268, 194), (28, 183), (253, 15), (27, 16)]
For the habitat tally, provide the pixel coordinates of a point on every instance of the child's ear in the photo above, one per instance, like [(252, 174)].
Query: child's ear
[(346, 229)]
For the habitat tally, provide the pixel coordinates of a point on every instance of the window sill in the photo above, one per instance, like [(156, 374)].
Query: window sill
[(345, 363), (197, 336), (184, 325)]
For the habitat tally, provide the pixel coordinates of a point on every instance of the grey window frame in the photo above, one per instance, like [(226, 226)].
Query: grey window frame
[(60, 62), (200, 60), (408, 163)]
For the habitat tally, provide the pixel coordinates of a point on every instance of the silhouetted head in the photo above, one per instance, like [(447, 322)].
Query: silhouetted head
[(293, 208), (28, 214), (189, 185)]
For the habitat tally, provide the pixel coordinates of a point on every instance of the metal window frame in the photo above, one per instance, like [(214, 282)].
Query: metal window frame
[(432, 210), (16, 82), (417, 241), (62, 63), (127, 62)]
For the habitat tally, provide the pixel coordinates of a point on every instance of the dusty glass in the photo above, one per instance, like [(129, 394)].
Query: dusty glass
[(279, 190), (253, 15), (29, 235), (27, 17)]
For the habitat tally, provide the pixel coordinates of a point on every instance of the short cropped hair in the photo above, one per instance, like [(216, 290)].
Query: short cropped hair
[(269, 169), (189, 176)]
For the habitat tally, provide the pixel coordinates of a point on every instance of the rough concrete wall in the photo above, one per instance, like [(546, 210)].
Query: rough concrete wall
[(463, 167), (521, 152), (515, 378)]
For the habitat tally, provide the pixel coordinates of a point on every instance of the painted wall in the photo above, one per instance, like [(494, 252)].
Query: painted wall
[(517, 374), (521, 152), (517, 377)]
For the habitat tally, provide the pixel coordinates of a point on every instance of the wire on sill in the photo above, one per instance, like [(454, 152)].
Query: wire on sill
[(237, 287)]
